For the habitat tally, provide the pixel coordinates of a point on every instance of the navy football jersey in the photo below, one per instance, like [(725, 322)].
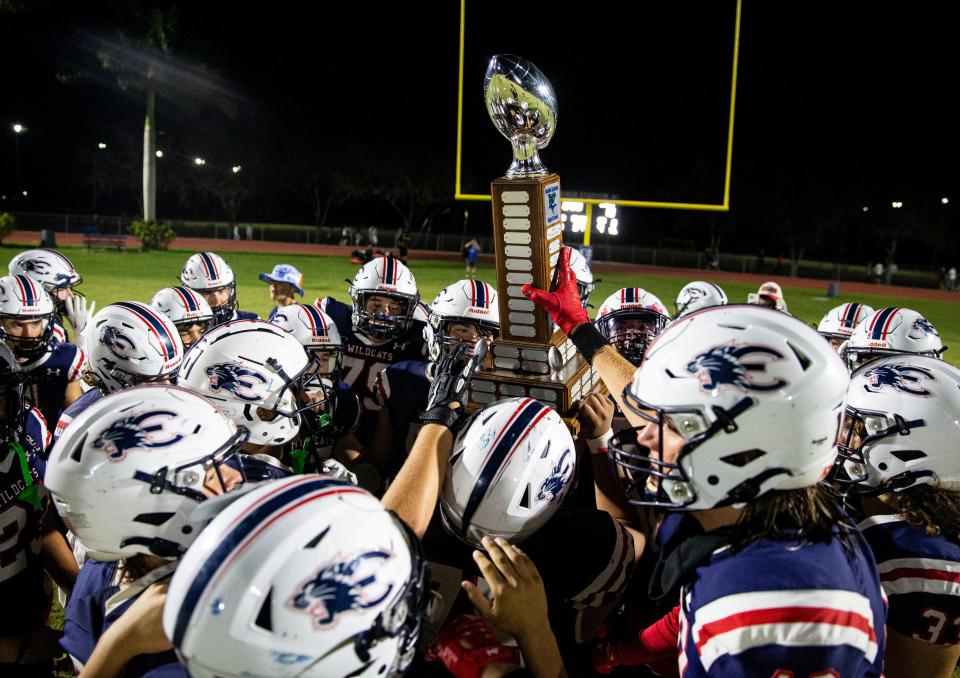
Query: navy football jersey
[(403, 388), (244, 315), (74, 410), (920, 573), (22, 502), (86, 619), (364, 359), (49, 376), (782, 608)]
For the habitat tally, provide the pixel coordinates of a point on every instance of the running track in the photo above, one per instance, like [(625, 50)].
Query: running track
[(31, 238)]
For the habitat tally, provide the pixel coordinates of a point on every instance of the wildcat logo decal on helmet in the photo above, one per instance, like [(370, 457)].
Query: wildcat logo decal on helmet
[(37, 266), (899, 377), (553, 484), (133, 431), (118, 342), (925, 326), (725, 366), (236, 379), (338, 588)]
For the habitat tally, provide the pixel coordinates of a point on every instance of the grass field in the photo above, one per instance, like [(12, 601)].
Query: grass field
[(129, 275)]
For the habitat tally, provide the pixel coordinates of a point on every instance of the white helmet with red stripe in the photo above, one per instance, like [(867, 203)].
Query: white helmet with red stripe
[(393, 284), (305, 576), (629, 319), (23, 300), (49, 268), (890, 331), (183, 306), (769, 295), (465, 302), (207, 272), (316, 332), (134, 344), (839, 323), (511, 466), (699, 294)]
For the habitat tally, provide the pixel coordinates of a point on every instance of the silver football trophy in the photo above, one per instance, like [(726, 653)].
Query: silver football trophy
[(530, 358)]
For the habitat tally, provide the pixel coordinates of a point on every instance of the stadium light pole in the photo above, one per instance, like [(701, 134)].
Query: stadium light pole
[(18, 129)]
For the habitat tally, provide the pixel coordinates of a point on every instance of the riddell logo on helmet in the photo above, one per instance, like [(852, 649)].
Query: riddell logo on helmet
[(479, 311), (877, 344), (29, 310), (320, 340)]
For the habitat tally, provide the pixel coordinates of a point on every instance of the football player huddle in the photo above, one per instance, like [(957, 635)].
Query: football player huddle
[(317, 496)]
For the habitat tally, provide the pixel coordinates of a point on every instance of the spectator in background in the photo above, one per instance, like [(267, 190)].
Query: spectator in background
[(952, 279), (344, 236), (471, 252), (285, 280), (372, 236), (891, 271), (236, 232), (403, 242), (878, 272), (250, 232)]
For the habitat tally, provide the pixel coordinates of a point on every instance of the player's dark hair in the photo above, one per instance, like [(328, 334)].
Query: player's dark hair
[(136, 567), (934, 510), (811, 514)]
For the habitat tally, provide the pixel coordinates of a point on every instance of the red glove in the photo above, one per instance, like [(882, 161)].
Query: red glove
[(655, 645), (563, 304), (468, 645)]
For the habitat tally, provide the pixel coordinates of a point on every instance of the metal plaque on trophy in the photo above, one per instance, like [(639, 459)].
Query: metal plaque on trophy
[(530, 358)]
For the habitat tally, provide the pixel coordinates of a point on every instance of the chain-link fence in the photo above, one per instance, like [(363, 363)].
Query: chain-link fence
[(359, 236)]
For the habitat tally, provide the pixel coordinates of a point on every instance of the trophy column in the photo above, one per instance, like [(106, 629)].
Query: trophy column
[(526, 234), (530, 358)]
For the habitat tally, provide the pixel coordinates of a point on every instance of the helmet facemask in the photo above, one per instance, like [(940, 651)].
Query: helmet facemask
[(224, 312), (649, 480), (369, 320), (28, 349), (631, 331), (443, 338), (860, 430)]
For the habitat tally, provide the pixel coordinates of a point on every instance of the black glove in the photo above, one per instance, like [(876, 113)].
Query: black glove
[(451, 381)]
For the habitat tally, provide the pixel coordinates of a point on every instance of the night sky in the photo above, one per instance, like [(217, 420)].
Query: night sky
[(839, 105)]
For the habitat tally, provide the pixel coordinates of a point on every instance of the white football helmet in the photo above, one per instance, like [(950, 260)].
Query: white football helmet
[(585, 282), (902, 425), (49, 268), (510, 468), (21, 298), (304, 576), (315, 330), (769, 295), (889, 331), (699, 294), (838, 323), (383, 276), (128, 472), (184, 307), (756, 396), (255, 373), (629, 319), (466, 302), (206, 272), (133, 344)]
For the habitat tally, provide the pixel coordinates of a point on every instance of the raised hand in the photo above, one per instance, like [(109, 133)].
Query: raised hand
[(563, 303)]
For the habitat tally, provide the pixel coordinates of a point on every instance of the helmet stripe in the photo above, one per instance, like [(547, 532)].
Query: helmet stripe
[(849, 315), (886, 325), (186, 296), (26, 290), (319, 325), (881, 322), (521, 422), (155, 323), (210, 265), (245, 528)]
